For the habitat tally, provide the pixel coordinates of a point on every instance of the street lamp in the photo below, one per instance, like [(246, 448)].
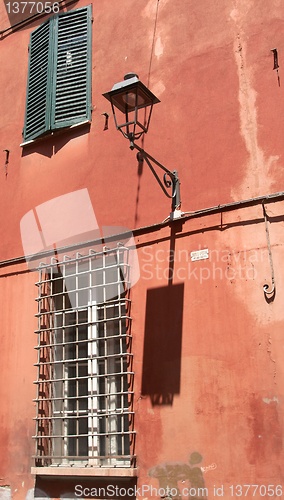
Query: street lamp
[(129, 100)]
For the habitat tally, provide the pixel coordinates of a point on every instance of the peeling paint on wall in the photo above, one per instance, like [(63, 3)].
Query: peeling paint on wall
[(159, 49), (256, 181), (270, 400)]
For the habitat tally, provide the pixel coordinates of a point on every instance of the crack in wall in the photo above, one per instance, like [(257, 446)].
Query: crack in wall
[(269, 351)]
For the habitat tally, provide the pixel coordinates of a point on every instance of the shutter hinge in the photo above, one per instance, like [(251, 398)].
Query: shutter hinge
[(92, 19)]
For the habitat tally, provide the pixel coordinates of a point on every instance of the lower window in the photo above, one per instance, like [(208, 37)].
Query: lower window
[(85, 378)]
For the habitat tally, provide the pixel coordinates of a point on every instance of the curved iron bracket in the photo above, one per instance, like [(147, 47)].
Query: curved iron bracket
[(170, 180)]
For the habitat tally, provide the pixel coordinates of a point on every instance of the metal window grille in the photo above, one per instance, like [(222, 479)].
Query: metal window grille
[(84, 361)]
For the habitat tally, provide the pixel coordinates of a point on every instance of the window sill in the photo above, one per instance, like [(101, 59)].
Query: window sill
[(85, 471), (54, 133)]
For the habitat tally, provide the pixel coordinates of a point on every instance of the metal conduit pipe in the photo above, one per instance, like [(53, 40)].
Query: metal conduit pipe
[(226, 207)]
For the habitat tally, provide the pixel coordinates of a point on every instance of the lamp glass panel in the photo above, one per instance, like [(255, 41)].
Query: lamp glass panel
[(128, 100)]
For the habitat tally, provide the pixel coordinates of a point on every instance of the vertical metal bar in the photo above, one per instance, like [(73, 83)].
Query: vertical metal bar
[(77, 385), (65, 376), (93, 430)]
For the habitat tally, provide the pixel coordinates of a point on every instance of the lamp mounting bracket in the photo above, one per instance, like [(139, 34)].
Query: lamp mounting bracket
[(170, 179)]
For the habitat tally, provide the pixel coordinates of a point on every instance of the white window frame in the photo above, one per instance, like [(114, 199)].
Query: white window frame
[(84, 321)]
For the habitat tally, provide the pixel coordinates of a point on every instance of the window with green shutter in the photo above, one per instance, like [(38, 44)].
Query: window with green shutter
[(59, 76)]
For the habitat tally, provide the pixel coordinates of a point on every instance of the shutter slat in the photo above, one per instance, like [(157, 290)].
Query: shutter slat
[(64, 98), (65, 95), (72, 80), (66, 106)]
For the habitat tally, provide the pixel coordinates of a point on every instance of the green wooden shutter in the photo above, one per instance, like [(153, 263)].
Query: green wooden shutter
[(37, 119), (72, 68), (59, 77)]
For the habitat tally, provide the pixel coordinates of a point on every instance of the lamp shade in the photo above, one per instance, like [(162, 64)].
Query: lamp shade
[(130, 96)]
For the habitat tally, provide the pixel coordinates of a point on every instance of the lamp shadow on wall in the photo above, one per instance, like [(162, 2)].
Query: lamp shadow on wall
[(162, 344)]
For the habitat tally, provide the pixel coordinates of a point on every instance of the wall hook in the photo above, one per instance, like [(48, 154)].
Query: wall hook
[(106, 115), (7, 151), (276, 63)]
